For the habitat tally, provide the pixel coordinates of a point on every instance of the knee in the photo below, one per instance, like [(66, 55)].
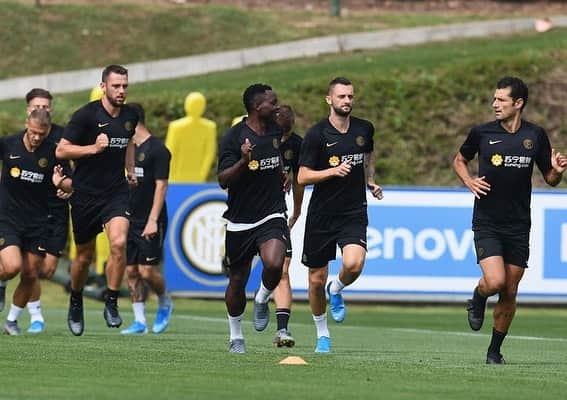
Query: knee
[(84, 259), (495, 285), (354, 266), (28, 274), (11, 269), (316, 282), (132, 273), (118, 245), (145, 273)]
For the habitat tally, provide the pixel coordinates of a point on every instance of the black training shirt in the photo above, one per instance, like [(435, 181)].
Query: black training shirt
[(290, 153), (507, 161), (101, 173), (26, 177), (152, 162), (57, 206), (257, 192), (324, 147)]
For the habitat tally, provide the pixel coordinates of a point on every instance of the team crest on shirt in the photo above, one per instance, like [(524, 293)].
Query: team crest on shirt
[(496, 160), (276, 144), (141, 157), (528, 144), (360, 141), (15, 172), (288, 155), (2, 241), (333, 161), (128, 126), (253, 165), (42, 162)]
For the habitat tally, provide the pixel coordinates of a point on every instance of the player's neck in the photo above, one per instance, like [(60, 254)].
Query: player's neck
[(112, 110), (512, 124), (339, 122), (141, 135), (257, 125)]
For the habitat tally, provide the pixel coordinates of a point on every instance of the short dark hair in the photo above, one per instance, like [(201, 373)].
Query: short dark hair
[(518, 89), (113, 68), (41, 116), (339, 80), (38, 92), (137, 107), (250, 96)]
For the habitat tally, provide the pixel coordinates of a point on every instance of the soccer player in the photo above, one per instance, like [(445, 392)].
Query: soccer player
[(250, 168), (289, 150), (507, 149), (28, 165), (337, 157), (98, 138), (148, 222)]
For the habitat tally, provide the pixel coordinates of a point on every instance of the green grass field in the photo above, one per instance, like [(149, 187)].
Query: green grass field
[(380, 352)]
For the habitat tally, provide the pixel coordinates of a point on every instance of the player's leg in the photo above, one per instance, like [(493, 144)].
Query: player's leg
[(48, 267), (318, 303), (11, 263), (117, 230), (79, 274), (138, 294), (282, 299), (235, 299)]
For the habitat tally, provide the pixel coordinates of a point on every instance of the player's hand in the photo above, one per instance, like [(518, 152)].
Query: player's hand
[(478, 186), (246, 150), (63, 195), (342, 170), (132, 179), (58, 176), (292, 220), (101, 142), (375, 190), (286, 182), (150, 230), (558, 161)]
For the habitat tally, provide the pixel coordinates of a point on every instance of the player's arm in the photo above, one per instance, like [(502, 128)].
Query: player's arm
[(558, 165), (60, 180), (369, 173), (131, 163), (66, 150), (151, 228), (309, 176), (231, 174), (478, 186), (298, 191)]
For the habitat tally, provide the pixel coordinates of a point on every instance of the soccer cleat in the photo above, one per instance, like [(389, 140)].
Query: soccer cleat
[(111, 315), (237, 346), (475, 315), (284, 339), (137, 328), (11, 328), (495, 359), (2, 295), (36, 327), (162, 318), (323, 345), (261, 315), (76, 317), (337, 305)]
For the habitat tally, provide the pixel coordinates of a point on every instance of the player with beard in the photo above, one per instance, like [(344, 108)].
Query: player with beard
[(337, 157), (250, 168), (99, 139), (507, 149)]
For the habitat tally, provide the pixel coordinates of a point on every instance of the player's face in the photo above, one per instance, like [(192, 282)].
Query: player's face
[(504, 106), (268, 106), (39, 103), (36, 133), (115, 88), (285, 120), (341, 99)]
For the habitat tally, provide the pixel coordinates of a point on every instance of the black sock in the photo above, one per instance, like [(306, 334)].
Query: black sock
[(282, 315), (478, 298), (111, 296), (77, 295), (496, 341)]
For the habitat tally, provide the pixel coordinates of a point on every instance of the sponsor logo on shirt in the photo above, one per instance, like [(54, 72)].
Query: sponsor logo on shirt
[(119, 143), (25, 175), (511, 161), (264, 164)]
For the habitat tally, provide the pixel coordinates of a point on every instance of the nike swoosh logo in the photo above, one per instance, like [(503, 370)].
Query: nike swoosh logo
[(494, 141), (40, 248), (331, 144), (150, 259), (14, 157), (127, 213), (103, 125)]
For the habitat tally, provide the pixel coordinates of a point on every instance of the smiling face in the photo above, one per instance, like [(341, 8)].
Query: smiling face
[(504, 106), (267, 106)]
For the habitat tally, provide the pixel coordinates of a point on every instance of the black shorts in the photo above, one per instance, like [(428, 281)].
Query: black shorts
[(514, 247), (324, 232), (244, 245), (140, 251), (56, 234), (89, 213), (27, 239)]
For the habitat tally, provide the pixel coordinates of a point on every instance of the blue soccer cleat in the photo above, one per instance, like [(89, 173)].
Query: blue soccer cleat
[(36, 327), (323, 345), (337, 305), (162, 318), (137, 328)]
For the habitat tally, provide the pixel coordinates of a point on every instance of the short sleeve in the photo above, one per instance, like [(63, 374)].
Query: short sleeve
[(310, 148), (229, 150), (543, 156), (161, 162), (370, 142), (471, 144), (76, 126)]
